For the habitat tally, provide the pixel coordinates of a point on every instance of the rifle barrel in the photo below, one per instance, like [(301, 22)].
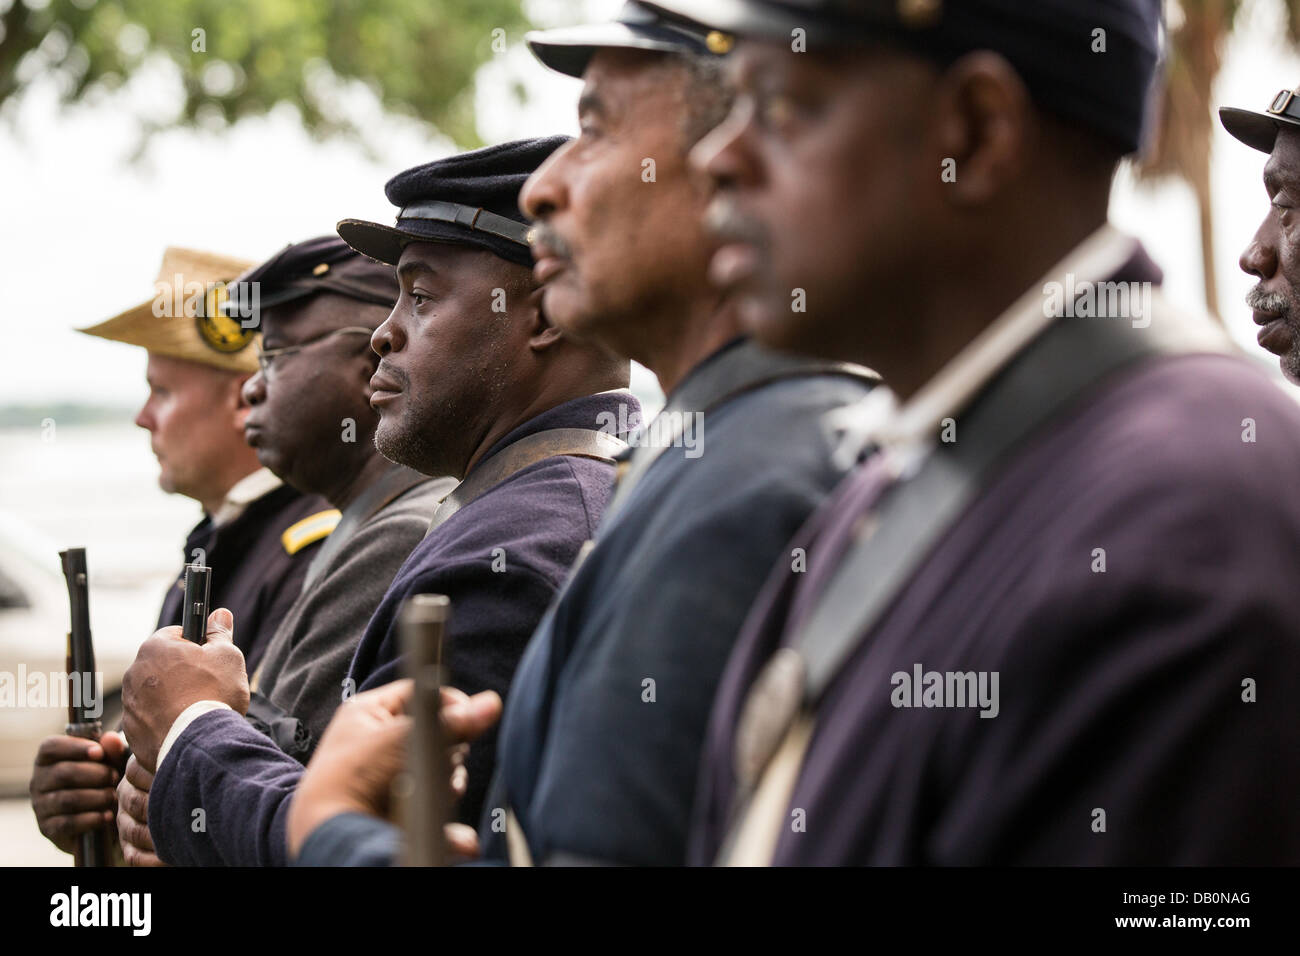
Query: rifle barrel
[(92, 847), (423, 624)]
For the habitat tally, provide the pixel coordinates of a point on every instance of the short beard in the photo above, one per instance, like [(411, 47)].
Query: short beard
[(407, 446), (1277, 304)]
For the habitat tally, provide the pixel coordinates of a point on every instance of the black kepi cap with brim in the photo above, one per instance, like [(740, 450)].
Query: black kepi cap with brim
[(468, 199), (1259, 130), (1092, 63), (302, 269), (568, 50)]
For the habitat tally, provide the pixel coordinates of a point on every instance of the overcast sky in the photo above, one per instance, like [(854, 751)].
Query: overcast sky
[(84, 229)]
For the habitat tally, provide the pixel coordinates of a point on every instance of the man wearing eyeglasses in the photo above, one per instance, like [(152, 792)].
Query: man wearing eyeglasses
[(1271, 257)]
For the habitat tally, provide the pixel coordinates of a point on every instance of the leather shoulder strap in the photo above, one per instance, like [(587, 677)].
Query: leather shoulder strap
[(743, 368), (579, 442), (1054, 371)]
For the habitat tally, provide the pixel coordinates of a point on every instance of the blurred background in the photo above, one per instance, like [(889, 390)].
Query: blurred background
[(237, 126)]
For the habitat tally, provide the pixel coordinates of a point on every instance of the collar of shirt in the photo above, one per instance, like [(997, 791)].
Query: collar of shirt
[(243, 493), (907, 431)]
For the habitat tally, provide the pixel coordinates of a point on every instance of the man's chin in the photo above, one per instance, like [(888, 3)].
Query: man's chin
[(1290, 365), (773, 326)]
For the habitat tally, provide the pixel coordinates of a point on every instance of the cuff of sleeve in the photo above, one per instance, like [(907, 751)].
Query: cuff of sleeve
[(187, 717), (351, 839)]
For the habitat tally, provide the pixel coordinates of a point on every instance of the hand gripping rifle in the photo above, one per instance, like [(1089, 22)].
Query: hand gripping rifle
[(92, 847), (426, 791)]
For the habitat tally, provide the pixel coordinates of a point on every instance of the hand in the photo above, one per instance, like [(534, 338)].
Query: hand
[(364, 748), (170, 673), (133, 816), (72, 785)]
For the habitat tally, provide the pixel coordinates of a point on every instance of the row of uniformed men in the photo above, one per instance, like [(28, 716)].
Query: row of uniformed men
[(713, 659)]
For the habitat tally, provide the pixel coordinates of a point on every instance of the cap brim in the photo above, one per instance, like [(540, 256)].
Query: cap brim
[(1256, 130), (568, 50), (171, 336), (379, 242)]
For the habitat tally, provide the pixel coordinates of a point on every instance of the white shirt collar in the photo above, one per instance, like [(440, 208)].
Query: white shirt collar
[(243, 493), (908, 430)]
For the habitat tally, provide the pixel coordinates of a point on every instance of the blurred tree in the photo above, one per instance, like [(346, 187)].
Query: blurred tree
[(241, 57), (1182, 143)]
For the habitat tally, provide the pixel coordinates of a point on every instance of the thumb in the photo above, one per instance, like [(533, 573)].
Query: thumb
[(221, 626), (114, 745)]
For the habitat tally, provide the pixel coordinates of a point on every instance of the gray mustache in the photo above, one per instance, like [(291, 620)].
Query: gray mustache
[(544, 234), (723, 221), (1271, 302)]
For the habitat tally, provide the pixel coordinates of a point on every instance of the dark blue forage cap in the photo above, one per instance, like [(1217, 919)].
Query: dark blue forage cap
[(323, 264), (636, 27), (470, 199), (1259, 130), (1089, 61)]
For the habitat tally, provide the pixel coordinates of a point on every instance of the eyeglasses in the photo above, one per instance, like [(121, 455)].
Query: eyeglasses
[(266, 356)]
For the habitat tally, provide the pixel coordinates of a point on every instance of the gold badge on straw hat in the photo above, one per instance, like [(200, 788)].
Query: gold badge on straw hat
[(223, 332), (183, 320)]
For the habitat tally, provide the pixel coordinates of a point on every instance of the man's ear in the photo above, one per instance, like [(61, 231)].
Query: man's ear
[(985, 127), (542, 334)]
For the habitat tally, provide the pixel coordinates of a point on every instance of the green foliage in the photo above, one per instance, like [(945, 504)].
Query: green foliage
[(419, 56)]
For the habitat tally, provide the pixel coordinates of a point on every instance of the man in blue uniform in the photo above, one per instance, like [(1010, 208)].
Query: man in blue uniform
[(1053, 619), (1275, 300), (474, 382)]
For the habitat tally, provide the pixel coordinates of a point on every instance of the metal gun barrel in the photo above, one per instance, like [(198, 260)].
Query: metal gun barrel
[(423, 624)]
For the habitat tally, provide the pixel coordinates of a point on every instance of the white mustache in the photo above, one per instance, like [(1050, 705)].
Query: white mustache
[(1273, 303)]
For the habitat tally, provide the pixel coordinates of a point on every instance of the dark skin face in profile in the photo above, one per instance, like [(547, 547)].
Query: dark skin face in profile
[(1273, 257), (829, 178), (619, 281), (454, 375), (300, 407)]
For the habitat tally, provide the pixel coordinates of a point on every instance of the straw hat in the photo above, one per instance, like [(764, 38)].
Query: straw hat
[(183, 319)]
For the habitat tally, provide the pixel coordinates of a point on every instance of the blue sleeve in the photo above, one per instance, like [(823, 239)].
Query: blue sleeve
[(222, 796), (351, 839)]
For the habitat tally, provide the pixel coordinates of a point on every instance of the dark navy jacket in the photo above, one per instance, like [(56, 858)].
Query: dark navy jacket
[(597, 764), (539, 518)]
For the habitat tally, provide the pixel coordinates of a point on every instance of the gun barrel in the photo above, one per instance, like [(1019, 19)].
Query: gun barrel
[(423, 625), (92, 847), (198, 590)]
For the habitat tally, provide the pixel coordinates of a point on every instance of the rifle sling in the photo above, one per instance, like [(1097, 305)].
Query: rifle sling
[(514, 458)]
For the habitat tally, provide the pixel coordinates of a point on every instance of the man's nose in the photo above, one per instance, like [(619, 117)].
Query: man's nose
[(254, 389), (723, 155), (1259, 258), (544, 191)]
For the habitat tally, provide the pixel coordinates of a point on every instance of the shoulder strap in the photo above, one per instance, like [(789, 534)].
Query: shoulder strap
[(394, 483), (1055, 370), (579, 442), (743, 368)]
